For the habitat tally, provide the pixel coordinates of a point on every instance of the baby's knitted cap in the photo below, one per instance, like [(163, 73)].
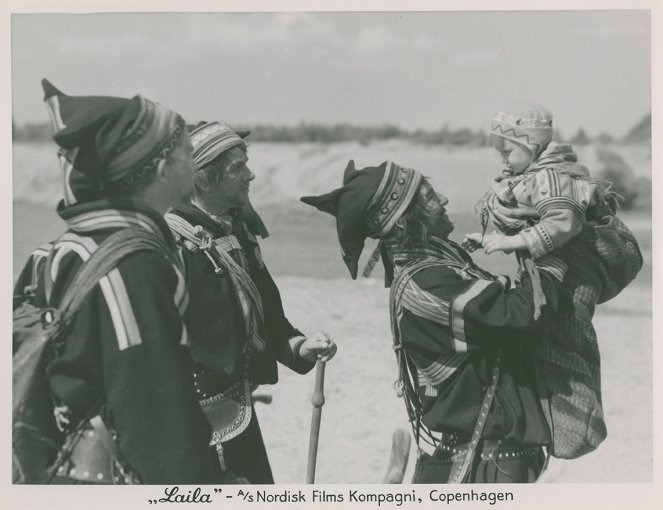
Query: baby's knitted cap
[(528, 124)]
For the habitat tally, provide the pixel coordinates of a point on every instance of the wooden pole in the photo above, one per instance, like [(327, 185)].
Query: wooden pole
[(318, 400)]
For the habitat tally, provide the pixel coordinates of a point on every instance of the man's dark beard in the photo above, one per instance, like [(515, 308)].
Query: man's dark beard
[(440, 226)]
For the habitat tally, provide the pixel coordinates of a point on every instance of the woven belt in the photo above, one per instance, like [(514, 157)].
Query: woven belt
[(489, 450)]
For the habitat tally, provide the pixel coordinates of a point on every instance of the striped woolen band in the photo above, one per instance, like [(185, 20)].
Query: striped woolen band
[(392, 198), (152, 137), (212, 139)]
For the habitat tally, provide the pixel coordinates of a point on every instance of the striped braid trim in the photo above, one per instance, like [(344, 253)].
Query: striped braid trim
[(443, 368), (110, 218), (87, 222), (458, 317), (554, 265), (429, 389), (537, 239), (560, 203), (38, 258), (42, 251), (424, 304), (112, 286), (114, 291)]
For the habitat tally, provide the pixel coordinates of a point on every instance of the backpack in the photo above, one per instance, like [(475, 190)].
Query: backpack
[(38, 336), (618, 252)]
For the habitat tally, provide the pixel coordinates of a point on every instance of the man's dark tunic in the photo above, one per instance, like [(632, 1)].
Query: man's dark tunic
[(452, 324), (218, 333), (128, 346)]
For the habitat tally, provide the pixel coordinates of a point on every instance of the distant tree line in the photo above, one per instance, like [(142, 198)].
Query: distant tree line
[(338, 133)]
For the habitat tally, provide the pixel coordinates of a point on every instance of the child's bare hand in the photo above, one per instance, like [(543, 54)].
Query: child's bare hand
[(498, 242), (472, 242)]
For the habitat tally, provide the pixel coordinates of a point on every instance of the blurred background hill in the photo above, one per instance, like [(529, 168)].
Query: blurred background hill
[(307, 159)]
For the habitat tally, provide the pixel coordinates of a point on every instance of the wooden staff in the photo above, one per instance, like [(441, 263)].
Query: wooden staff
[(318, 400)]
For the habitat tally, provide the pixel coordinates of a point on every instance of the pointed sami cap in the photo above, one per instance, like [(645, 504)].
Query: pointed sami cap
[(369, 204), (108, 142)]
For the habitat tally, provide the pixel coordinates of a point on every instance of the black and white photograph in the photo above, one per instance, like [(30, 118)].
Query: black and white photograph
[(396, 252)]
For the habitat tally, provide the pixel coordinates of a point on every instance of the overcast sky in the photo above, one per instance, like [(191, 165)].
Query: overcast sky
[(414, 70)]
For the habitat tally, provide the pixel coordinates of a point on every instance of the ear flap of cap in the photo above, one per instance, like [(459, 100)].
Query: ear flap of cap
[(351, 253), (352, 244), (351, 235), (326, 203), (350, 172)]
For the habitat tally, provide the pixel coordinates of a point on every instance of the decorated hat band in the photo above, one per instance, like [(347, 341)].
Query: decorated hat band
[(212, 139), (392, 198)]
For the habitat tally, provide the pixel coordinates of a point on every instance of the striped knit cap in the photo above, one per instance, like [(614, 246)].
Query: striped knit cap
[(210, 139), (525, 123), (108, 143), (369, 204)]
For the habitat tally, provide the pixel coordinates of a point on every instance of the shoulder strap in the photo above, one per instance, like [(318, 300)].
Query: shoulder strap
[(247, 293), (197, 236), (104, 259)]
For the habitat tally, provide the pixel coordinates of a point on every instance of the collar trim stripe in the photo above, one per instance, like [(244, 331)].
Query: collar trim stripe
[(112, 286), (112, 218)]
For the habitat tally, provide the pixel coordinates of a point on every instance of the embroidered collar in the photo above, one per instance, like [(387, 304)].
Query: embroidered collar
[(98, 215)]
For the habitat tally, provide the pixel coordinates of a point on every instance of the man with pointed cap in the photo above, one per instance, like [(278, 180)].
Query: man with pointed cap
[(239, 330), (123, 377), (463, 339)]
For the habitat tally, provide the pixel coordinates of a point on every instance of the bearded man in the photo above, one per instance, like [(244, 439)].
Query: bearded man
[(239, 330), (122, 385), (463, 338)]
